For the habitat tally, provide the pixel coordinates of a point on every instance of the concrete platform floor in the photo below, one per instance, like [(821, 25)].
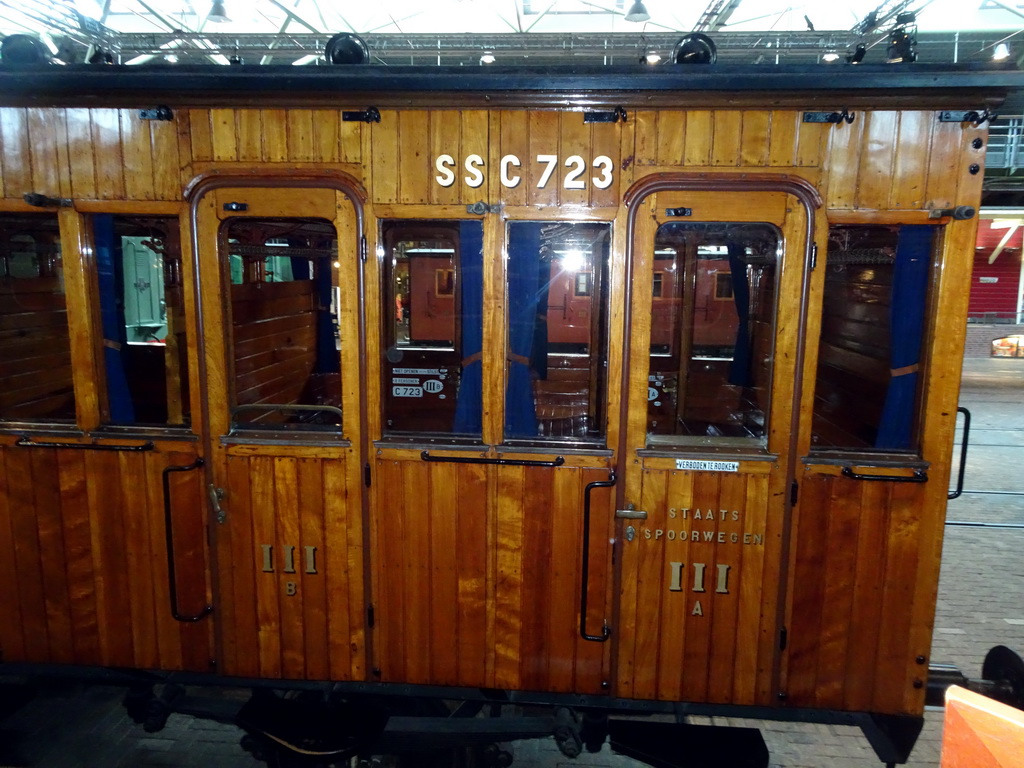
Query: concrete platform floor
[(980, 604)]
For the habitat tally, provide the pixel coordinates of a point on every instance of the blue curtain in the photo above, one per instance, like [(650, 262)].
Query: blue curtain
[(469, 403), (115, 338), (906, 327), (739, 368), (524, 266)]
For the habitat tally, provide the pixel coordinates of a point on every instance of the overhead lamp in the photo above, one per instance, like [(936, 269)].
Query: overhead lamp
[(218, 14), (902, 46), (23, 51), (652, 57), (695, 48), (830, 56), (858, 54), (487, 58), (637, 12), (1001, 52), (346, 48)]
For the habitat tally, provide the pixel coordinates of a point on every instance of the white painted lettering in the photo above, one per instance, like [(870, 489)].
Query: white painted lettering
[(473, 165), (574, 178), (697, 610), (310, 559), (268, 558), (446, 176), (289, 559), (507, 180), (605, 179), (552, 161)]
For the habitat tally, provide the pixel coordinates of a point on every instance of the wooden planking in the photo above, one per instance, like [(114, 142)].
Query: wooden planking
[(90, 566), (445, 617), (697, 643), (302, 621), (739, 138), (855, 563), (14, 153)]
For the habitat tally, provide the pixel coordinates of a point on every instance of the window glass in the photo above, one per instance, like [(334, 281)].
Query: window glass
[(145, 348), (712, 333), (433, 327), (284, 332), (557, 315), (867, 389), (35, 347)]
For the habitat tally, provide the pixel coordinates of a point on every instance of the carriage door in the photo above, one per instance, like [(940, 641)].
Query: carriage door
[(715, 316), (280, 277)]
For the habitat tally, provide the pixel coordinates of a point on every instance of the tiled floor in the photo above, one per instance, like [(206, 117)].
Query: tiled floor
[(980, 605)]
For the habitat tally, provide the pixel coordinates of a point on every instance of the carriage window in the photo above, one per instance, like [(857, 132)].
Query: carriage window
[(145, 350), (712, 330), (433, 328), (868, 382), (287, 364), (35, 346), (557, 315)]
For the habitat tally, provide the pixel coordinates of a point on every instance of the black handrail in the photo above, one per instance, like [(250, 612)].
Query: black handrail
[(585, 570), (26, 442), (919, 476), (963, 453), (557, 462), (169, 533)]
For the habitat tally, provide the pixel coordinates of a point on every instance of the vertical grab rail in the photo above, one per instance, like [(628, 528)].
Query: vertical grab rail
[(169, 534), (585, 570), (963, 453)]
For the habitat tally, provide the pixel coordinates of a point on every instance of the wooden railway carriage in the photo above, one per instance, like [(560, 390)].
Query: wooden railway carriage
[(623, 390)]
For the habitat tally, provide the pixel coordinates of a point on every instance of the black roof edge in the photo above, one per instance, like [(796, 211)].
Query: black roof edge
[(181, 83)]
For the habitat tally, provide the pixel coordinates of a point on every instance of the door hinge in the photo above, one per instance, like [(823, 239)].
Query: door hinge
[(783, 639), (364, 250), (366, 474), (370, 619), (814, 256), (794, 491)]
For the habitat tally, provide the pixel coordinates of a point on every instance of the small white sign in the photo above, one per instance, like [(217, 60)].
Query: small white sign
[(407, 391), (415, 372), (708, 466), (433, 386), (988, 279), (404, 380)]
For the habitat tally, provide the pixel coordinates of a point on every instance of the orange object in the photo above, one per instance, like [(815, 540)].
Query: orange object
[(980, 732)]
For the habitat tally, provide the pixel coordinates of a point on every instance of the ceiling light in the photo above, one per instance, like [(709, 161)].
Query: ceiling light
[(217, 13), (637, 12), (653, 57), (830, 56), (1001, 52), (487, 58)]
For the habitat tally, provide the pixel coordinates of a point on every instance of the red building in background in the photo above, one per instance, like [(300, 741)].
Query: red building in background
[(996, 308)]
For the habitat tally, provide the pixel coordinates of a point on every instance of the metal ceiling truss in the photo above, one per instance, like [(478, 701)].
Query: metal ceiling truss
[(545, 49)]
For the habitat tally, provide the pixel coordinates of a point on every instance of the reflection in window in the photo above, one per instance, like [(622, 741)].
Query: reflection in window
[(283, 330), (433, 327), (557, 307), (713, 325), (35, 347), (875, 297), (142, 310)]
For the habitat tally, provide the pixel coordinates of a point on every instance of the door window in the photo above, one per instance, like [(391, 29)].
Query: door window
[(712, 332), (284, 328)]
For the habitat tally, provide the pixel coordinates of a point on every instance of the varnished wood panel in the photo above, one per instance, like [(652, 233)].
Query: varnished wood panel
[(695, 615), (444, 617), (854, 564), (297, 620), (88, 580)]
